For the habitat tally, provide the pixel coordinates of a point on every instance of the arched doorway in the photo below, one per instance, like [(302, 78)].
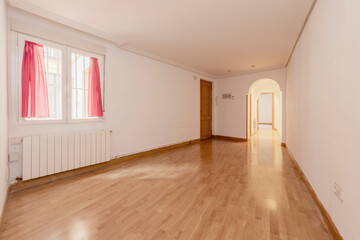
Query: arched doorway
[(259, 87)]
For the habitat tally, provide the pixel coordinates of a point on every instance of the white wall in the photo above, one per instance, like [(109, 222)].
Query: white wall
[(231, 114), (3, 105), (148, 104), (323, 108), (265, 108)]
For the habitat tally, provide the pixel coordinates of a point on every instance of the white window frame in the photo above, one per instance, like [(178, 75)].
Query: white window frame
[(66, 80), (101, 61), (21, 43)]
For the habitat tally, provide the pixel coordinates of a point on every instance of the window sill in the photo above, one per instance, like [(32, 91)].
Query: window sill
[(37, 122), (86, 120), (62, 121)]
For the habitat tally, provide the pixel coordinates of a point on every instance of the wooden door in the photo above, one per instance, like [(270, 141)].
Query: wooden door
[(205, 109)]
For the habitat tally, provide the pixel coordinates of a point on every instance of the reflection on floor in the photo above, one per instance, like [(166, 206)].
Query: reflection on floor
[(212, 190)]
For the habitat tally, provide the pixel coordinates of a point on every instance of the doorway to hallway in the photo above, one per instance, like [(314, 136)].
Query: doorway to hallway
[(264, 106)]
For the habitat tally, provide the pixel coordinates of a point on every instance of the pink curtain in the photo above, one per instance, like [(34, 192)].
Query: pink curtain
[(94, 103), (35, 101)]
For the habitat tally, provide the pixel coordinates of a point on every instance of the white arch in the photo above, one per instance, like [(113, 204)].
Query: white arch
[(258, 87), (264, 83)]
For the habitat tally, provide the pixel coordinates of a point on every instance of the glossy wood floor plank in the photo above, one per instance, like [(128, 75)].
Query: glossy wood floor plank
[(215, 189)]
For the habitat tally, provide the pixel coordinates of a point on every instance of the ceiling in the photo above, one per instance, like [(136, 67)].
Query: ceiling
[(213, 37)]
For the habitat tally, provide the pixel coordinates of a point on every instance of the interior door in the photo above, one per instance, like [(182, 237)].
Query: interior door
[(205, 109)]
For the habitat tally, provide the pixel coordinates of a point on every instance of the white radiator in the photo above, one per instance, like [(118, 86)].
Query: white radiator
[(49, 154)]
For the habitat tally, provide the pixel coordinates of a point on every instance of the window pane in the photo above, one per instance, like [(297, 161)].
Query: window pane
[(80, 65), (73, 104), (51, 79), (86, 72), (51, 93), (53, 62), (73, 70), (86, 100), (80, 71), (80, 111)]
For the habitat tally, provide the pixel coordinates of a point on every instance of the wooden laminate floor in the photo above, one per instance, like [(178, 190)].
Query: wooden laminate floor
[(215, 189)]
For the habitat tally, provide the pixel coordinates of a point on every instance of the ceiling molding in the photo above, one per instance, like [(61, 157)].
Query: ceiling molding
[(301, 31), (164, 60), (250, 72), (120, 44)]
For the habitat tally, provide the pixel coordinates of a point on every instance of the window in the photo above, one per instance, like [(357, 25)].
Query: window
[(84, 82), (58, 83)]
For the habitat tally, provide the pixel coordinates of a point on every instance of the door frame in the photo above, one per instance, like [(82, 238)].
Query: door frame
[(272, 110), (248, 116), (211, 110)]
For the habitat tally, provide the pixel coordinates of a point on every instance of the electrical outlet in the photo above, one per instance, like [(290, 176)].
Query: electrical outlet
[(338, 192)]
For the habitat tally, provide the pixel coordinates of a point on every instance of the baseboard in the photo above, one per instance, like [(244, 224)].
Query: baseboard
[(329, 222), (236, 139), (2, 217), (20, 185)]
